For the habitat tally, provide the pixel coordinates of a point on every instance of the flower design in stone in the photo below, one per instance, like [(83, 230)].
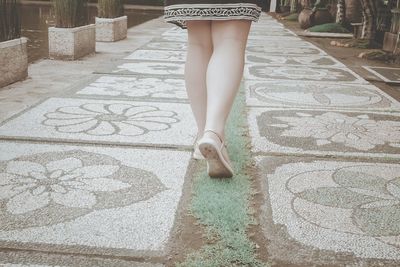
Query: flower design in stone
[(370, 194), (28, 186), (359, 132), (101, 119), (295, 73)]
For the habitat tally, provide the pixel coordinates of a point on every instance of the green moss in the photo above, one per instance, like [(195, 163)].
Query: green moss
[(222, 205), (329, 27)]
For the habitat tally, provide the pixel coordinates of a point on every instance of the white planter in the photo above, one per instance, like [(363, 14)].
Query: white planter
[(72, 43), (111, 30), (13, 61)]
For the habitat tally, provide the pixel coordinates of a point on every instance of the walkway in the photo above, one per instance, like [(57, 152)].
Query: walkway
[(98, 167)]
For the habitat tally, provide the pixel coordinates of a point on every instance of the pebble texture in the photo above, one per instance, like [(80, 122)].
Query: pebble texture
[(326, 206)]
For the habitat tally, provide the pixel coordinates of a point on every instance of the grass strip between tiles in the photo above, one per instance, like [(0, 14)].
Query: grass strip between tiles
[(223, 205)]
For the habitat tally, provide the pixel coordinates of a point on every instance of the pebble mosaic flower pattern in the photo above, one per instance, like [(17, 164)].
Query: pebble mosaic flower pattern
[(110, 119), (322, 94), (47, 188), (359, 132), (296, 73), (340, 206), (136, 87)]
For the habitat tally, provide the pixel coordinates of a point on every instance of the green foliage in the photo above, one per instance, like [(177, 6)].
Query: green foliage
[(329, 27), (71, 13), (10, 20), (292, 17), (222, 205), (110, 8)]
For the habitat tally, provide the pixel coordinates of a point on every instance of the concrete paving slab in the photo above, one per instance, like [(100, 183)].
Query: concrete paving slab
[(266, 38), (293, 50), (323, 132), (305, 73), (150, 68), (389, 75), (318, 95), (158, 55), (179, 39), (104, 121), (89, 200), (136, 88), (325, 61), (155, 45), (279, 43), (331, 213)]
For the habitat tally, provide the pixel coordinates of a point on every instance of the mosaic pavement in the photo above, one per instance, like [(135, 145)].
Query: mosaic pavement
[(337, 203), (80, 172)]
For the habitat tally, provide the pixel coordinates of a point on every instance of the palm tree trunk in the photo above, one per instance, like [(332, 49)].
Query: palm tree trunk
[(369, 12), (341, 12)]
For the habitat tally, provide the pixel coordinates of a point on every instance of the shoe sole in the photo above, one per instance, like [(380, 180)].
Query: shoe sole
[(216, 165)]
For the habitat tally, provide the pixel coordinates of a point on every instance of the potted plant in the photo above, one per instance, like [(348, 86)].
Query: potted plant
[(284, 6), (13, 47), (72, 37), (111, 24), (321, 13)]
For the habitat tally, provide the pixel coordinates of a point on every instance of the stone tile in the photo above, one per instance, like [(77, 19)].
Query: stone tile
[(267, 32), (267, 38), (143, 88), (104, 121), (171, 38), (288, 50), (390, 75), (277, 43), (175, 39), (179, 46), (318, 95), (319, 132), (158, 55), (92, 200), (324, 61), (305, 73), (331, 212), (150, 68)]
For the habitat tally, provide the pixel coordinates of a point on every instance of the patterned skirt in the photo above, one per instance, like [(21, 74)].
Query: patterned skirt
[(179, 11)]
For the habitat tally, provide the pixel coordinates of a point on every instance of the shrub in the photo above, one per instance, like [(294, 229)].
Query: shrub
[(110, 8), (71, 13), (329, 27), (10, 20)]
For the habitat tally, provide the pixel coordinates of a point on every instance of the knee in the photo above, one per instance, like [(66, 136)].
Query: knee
[(200, 45)]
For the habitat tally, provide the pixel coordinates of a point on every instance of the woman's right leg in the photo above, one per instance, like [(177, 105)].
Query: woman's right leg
[(199, 52), (225, 70)]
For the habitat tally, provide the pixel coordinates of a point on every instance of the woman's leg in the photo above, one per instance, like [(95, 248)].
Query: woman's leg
[(225, 70), (198, 55)]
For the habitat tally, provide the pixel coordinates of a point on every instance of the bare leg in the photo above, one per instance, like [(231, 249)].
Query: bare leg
[(225, 70), (198, 55)]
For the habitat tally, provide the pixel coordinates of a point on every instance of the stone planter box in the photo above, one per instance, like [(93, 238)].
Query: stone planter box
[(14, 61), (72, 43), (111, 30), (389, 43)]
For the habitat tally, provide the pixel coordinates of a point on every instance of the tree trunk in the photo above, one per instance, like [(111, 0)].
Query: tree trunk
[(341, 12), (369, 12), (293, 6)]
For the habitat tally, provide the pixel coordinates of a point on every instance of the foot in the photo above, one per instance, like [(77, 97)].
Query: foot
[(212, 146)]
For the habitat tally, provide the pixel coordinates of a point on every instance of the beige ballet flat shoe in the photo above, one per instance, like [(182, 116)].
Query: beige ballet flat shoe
[(197, 153), (214, 151)]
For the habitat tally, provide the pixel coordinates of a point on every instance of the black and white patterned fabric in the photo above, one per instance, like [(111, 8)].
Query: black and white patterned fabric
[(178, 12)]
